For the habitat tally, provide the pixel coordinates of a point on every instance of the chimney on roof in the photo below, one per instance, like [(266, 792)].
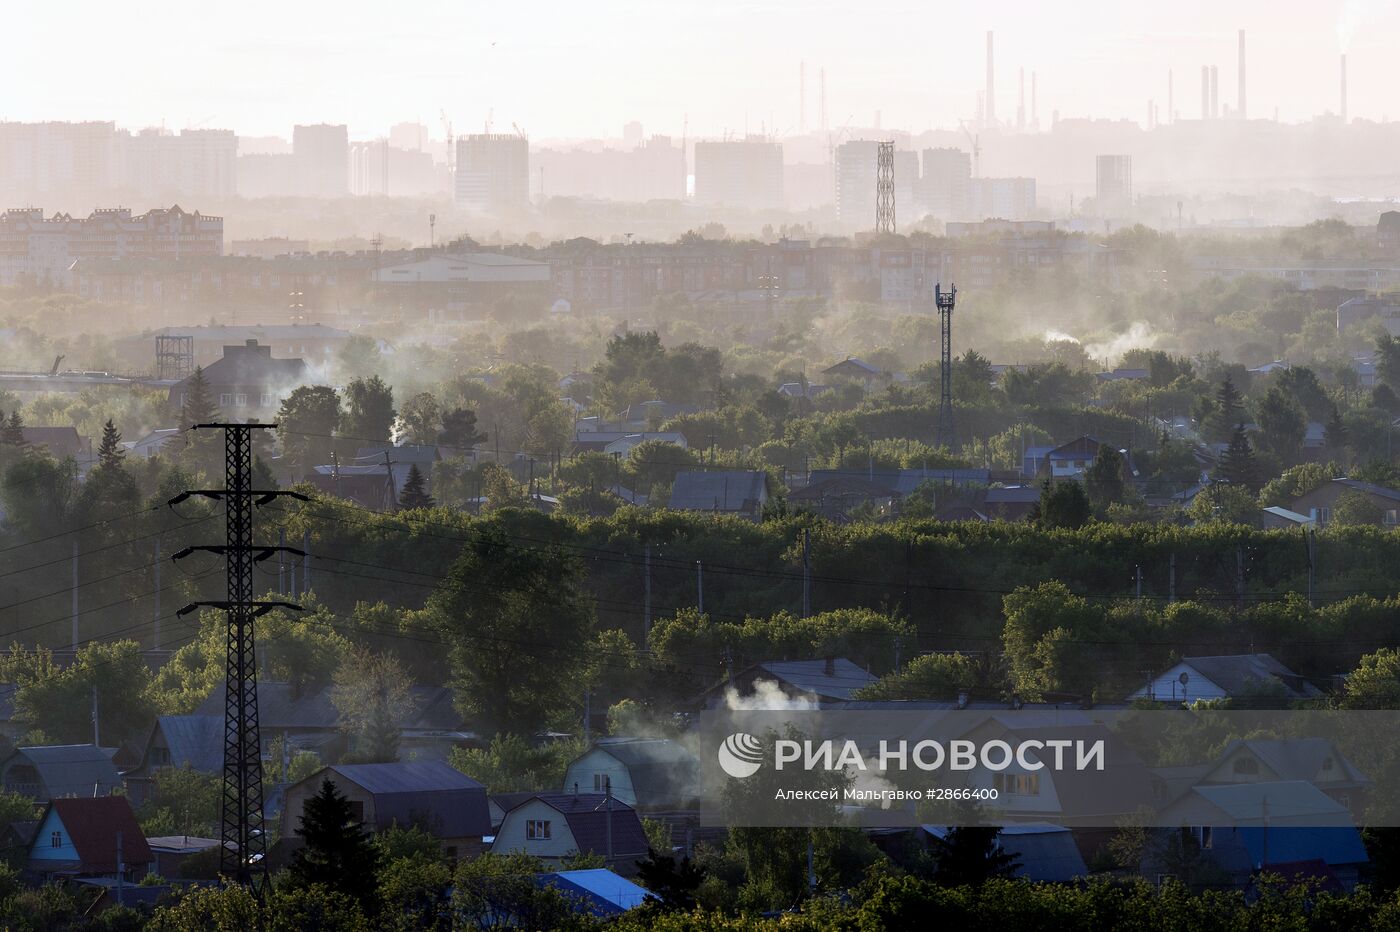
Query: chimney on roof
[(962, 699), (830, 668)]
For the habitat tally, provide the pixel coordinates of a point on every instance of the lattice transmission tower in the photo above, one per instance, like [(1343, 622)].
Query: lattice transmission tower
[(944, 299), (884, 188), (243, 856)]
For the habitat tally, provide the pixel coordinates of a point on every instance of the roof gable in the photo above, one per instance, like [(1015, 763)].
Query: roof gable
[(93, 823)]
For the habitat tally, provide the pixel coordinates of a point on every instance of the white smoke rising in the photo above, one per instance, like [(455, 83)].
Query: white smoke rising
[(1137, 336), (767, 696), (1059, 336)]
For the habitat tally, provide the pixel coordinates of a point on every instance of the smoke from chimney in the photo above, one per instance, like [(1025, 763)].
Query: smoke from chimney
[(991, 100), (1243, 112)]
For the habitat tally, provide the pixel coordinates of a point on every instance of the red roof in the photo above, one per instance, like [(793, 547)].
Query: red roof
[(93, 822)]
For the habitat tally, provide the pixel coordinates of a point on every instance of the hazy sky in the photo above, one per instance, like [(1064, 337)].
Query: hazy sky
[(584, 68)]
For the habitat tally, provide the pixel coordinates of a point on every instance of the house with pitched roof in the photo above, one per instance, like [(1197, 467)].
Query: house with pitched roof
[(834, 679), (246, 380), (598, 892), (554, 826), (430, 794), (1320, 502), (61, 770), (193, 741), (79, 837), (306, 718), (648, 774), (1268, 760), (1045, 853), (741, 492), (1193, 679), (1286, 827)]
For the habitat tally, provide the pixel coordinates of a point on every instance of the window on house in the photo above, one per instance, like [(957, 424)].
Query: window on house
[(240, 400), (56, 840), (1246, 765), (1017, 784), (1328, 764), (160, 757), (537, 829), (225, 400), (600, 782)]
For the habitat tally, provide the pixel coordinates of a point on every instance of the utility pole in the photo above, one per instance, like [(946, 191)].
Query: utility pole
[(646, 603), (806, 574), (95, 731), (305, 561), (155, 619), (1310, 542), (73, 611), (121, 870), (1239, 575), (243, 853), (945, 301), (700, 586), (1171, 578)]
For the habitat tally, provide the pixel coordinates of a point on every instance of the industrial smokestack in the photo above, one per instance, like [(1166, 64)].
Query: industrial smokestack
[(991, 100), (1205, 92), (802, 98), (1035, 114), (1344, 88), (1171, 98), (1021, 103), (1243, 112), (1214, 92)]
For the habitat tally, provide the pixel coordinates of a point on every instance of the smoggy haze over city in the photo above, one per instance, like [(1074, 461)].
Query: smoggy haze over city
[(564, 70)]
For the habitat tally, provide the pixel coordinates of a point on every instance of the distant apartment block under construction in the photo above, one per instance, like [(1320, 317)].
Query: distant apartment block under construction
[(739, 173), (493, 172)]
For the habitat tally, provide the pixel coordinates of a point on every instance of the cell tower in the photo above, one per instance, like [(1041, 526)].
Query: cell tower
[(884, 189), (243, 855), (944, 300)]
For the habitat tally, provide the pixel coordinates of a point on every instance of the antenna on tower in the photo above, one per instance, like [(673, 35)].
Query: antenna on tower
[(945, 300)]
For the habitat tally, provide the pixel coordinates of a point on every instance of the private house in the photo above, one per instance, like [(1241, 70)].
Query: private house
[(621, 442), (193, 741), (553, 826), (834, 679), (1092, 798), (1071, 460), (432, 726), (79, 837), (1227, 677), (424, 456), (834, 498), (246, 380), (650, 415), (1283, 827), (153, 443), (60, 770), (599, 893), (1276, 517), (800, 390), (741, 492), (1271, 760), (304, 716), (376, 487), (431, 794), (1320, 502), (1011, 504), (172, 851), (1121, 374), (856, 370), (1047, 853), (61, 443), (648, 774)]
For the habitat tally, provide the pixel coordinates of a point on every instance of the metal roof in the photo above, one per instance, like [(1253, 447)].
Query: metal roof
[(70, 769), (810, 676), (729, 490), (195, 741), (430, 792), (1235, 673), (601, 891)]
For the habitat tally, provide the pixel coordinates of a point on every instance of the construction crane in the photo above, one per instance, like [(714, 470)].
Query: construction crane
[(451, 144), (518, 131), (974, 140), (490, 117)]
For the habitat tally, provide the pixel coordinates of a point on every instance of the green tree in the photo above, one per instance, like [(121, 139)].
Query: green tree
[(230, 908), (337, 853), (930, 676), (1222, 502), (13, 433), (1281, 424), (459, 430), (511, 763), (199, 449), (369, 412), (110, 453), (420, 419), (1335, 435), (969, 856), (514, 618), (1388, 360), (1063, 504), (319, 907), (184, 802), (414, 494), (1237, 464), (373, 695), (59, 700), (1356, 509), (306, 424), (1103, 480)]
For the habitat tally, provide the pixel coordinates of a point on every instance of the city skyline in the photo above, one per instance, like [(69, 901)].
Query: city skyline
[(582, 73)]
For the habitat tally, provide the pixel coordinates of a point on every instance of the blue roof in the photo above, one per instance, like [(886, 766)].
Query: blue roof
[(600, 891), (1339, 844)]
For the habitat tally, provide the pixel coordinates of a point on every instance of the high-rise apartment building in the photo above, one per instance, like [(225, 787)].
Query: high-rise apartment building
[(322, 153), (1113, 185), (1002, 198), (856, 170), (158, 164), (945, 184), (71, 163), (493, 172), (745, 173)]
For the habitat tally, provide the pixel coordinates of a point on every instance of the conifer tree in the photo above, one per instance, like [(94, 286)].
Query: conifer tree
[(338, 852), (198, 407), (1237, 464), (13, 434), (111, 452), (414, 494)]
